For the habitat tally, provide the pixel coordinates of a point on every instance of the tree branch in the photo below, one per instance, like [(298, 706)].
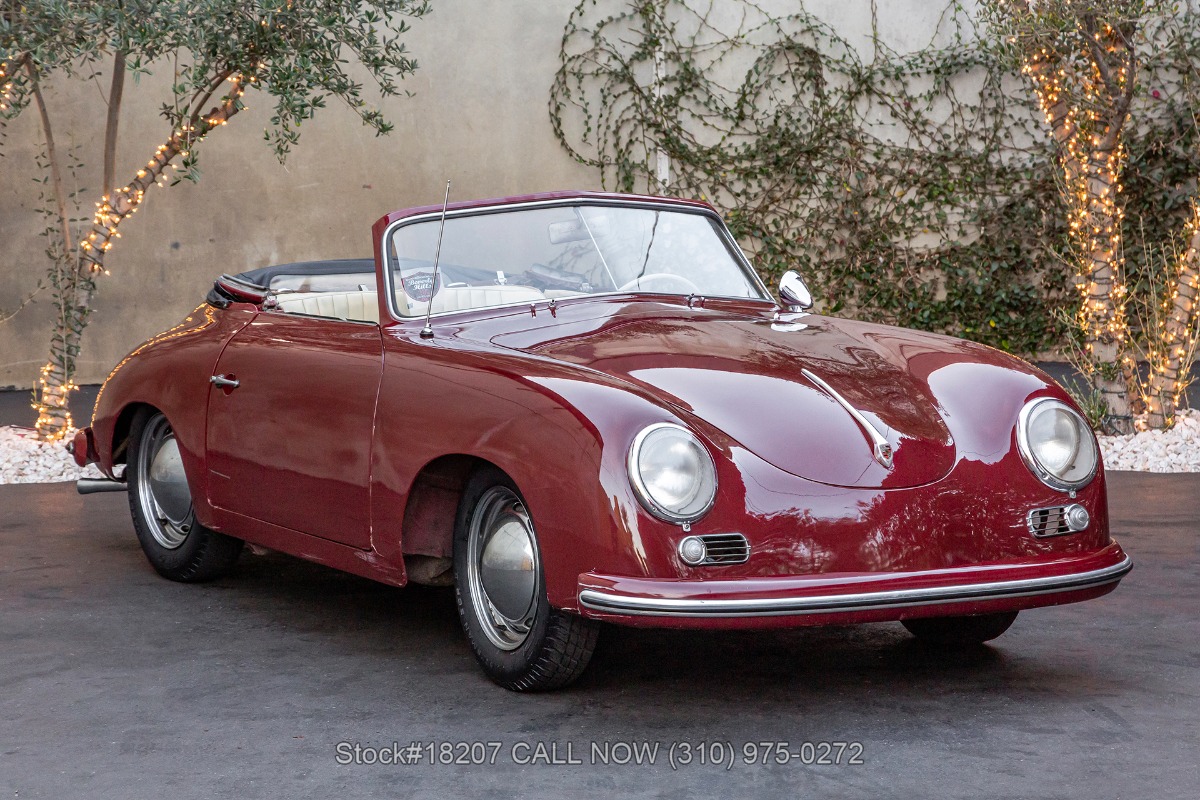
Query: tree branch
[(60, 196), (24, 302), (205, 93), (1088, 21), (1121, 101), (115, 95), (125, 201)]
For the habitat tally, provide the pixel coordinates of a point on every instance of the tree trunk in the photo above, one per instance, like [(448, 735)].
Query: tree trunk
[(1102, 313), (1171, 375), (1092, 158), (54, 384), (78, 283)]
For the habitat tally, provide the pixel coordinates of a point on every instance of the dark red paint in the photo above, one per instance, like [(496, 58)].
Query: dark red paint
[(346, 443)]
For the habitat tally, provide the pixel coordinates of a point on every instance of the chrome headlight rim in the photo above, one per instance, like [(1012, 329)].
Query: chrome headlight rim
[(1025, 447), (644, 496)]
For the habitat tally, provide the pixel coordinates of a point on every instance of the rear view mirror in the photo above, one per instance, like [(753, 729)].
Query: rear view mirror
[(794, 291), (576, 230)]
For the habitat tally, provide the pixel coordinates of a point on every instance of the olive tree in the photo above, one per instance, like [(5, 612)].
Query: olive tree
[(1083, 58), (299, 53)]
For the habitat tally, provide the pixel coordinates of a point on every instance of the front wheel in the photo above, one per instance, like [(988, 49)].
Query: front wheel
[(975, 629), (176, 545), (520, 641)]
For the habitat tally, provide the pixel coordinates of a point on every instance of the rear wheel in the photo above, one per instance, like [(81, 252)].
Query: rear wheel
[(177, 546), (520, 641), (975, 629)]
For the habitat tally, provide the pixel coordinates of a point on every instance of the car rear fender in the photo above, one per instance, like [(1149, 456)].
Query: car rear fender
[(169, 372)]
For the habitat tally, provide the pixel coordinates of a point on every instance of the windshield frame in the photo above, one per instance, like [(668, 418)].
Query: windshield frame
[(388, 267)]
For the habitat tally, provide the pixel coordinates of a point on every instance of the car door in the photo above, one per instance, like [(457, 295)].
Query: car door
[(290, 426)]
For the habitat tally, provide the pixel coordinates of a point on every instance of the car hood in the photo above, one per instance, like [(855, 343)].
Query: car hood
[(745, 374)]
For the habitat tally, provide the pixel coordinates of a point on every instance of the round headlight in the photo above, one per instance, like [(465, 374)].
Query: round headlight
[(672, 473), (1056, 444)]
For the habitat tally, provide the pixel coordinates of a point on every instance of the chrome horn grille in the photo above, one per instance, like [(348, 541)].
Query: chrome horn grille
[(725, 548), (1057, 520)]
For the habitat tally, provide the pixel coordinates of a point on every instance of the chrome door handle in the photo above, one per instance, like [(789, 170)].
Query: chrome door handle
[(223, 382)]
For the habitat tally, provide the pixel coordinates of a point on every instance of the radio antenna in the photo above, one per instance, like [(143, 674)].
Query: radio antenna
[(427, 331)]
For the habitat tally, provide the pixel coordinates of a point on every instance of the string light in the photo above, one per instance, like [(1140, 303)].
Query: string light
[(54, 420), (1171, 357), (1080, 104), (112, 211), (6, 87)]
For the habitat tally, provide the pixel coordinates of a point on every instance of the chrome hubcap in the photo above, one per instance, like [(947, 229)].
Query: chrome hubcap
[(502, 567), (165, 499)]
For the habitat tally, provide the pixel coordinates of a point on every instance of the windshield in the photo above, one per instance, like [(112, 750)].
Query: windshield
[(531, 254)]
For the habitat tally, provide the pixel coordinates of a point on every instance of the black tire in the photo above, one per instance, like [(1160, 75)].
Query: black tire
[(538, 648), (176, 545), (959, 631)]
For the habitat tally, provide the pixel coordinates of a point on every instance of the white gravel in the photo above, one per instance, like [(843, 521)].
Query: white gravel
[(23, 459), (1176, 450)]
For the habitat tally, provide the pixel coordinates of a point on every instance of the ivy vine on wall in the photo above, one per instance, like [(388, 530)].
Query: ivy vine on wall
[(915, 188)]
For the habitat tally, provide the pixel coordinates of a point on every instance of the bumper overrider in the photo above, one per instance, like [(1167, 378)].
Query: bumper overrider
[(854, 597)]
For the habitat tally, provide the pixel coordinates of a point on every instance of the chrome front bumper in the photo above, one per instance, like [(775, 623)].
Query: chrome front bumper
[(616, 602)]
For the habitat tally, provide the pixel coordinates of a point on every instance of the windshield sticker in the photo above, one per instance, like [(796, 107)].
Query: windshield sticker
[(419, 286)]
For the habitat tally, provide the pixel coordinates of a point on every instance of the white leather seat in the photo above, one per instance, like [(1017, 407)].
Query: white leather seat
[(364, 306), (460, 298), (359, 306)]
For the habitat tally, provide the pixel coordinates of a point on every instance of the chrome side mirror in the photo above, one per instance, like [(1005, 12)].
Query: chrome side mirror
[(794, 291)]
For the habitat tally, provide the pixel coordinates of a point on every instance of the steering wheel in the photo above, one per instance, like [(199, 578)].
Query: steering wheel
[(666, 278)]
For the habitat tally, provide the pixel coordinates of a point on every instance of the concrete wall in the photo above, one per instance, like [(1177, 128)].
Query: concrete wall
[(479, 118)]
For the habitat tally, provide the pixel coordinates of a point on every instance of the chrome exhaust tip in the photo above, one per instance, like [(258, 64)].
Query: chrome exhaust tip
[(94, 485)]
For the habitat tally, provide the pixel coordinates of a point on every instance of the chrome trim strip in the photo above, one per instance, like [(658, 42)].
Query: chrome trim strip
[(881, 449), (722, 229), (302, 315), (598, 600)]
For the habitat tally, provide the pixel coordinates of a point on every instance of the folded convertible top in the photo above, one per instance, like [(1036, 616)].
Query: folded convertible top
[(263, 275)]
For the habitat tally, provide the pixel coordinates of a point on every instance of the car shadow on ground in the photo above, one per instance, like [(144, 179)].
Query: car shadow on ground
[(358, 615)]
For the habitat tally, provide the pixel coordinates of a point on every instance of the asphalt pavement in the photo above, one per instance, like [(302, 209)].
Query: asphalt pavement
[(115, 683)]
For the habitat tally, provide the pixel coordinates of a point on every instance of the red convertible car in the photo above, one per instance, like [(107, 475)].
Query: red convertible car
[(582, 408)]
